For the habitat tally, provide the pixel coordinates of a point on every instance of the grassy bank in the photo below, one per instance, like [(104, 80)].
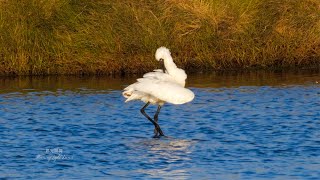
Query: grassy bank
[(104, 37)]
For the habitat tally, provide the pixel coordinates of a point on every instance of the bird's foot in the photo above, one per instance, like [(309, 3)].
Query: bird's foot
[(157, 133), (156, 136)]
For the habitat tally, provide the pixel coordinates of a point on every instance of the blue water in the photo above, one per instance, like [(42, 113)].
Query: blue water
[(239, 126)]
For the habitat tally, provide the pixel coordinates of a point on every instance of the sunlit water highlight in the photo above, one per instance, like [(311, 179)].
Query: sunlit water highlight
[(256, 125)]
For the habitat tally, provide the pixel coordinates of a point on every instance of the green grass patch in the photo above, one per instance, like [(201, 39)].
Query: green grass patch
[(112, 37)]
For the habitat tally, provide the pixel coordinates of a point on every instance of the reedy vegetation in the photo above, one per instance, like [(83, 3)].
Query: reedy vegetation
[(105, 37)]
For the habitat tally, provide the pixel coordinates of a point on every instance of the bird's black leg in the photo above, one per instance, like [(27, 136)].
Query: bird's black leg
[(156, 125), (156, 120)]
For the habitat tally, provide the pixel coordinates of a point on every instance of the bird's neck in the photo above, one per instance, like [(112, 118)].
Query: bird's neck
[(178, 74), (170, 65)]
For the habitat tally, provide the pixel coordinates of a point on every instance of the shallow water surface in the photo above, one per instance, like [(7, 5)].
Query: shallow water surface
[(256, 125)]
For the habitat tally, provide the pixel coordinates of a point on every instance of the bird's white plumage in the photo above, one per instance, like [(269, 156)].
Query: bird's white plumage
[(158, 87), (162, 53)]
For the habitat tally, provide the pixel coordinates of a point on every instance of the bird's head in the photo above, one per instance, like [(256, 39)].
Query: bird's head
[(162, 53)]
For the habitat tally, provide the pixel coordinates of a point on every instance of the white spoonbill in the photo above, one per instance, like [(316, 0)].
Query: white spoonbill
[(159, 87)]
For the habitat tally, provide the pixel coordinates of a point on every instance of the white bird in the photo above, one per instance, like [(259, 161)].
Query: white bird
[(159, 87)]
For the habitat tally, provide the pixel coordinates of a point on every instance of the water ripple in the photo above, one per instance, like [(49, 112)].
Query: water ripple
[(244, 132)]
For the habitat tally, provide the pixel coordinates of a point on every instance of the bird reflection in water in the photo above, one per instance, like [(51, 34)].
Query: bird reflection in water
[(166, 157)]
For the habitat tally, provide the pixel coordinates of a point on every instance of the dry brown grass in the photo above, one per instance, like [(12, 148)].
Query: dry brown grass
[(119, 37)]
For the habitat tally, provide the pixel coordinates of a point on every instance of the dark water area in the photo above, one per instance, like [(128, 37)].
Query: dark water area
[(249, 125)]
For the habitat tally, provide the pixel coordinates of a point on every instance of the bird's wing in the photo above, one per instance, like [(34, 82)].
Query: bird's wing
[(165, 91), (160, 76), (158, 70)]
